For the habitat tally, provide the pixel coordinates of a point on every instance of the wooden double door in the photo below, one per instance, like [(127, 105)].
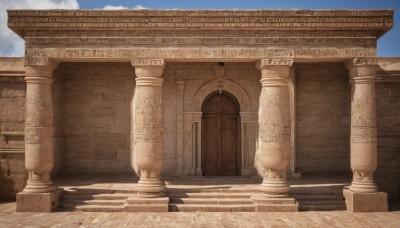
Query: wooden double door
[(220, 135)]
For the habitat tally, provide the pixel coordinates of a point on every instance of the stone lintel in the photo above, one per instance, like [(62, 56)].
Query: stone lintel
[(137, 204), (365, 202), (38, 202), (265, 204)]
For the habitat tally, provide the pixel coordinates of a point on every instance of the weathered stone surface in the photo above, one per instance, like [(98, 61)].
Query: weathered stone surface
[(147, 205), (267, 204), (38, 202), (365, 202), (79, 119)]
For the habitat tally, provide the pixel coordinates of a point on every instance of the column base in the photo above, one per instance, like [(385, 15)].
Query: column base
[(150, 188), (137, 204), (266, 204), (38, 202), (365, 202)]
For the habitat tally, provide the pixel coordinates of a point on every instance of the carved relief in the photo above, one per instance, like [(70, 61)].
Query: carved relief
[(147, 62), (363, 134), (190, 53), (363, 139), (148, 125)]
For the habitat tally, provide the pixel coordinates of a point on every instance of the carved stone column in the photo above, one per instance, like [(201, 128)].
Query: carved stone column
[(363, 137), (274, 133), (274, 124), (40, 193), (148, 126)]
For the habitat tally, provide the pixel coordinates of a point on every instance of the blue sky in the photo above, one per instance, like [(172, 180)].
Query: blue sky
[(388, 45)]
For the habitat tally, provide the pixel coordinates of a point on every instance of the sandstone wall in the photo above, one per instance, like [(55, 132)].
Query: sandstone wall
[(323, 94), (96, 117), (388, 112), (12, 117)]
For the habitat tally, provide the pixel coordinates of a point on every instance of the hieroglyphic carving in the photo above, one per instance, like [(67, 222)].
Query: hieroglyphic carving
[(265, 63), (147, 62), (205, 19), (190, 13), (363, 138), (363, 134), (274, 125), (148, 125), (190, 53), (109, 41), (159, 34)]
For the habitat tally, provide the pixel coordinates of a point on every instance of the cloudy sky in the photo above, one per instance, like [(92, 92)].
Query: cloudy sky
[(12, 45)]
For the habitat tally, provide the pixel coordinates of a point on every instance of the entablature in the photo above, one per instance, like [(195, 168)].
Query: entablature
[(135, 28)]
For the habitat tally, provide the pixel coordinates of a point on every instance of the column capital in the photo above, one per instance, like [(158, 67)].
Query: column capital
[(39, 70), (148, 67), (265, 64), (362, 69)]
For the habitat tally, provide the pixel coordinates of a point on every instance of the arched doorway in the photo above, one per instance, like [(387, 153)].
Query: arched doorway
[(220, 135)]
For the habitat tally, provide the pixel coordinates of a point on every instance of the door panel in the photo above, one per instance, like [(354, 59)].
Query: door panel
[(220, 136)]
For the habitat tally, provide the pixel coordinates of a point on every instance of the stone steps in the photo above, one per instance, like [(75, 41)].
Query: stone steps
[(211, 208), (217, 201), (203, 195), (320, 202), (93, 201)]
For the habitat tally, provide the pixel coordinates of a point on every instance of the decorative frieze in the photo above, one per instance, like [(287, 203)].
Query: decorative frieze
[(262, 19), (127, 54)]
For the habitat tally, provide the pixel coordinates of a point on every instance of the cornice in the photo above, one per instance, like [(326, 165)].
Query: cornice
[(21, 21)]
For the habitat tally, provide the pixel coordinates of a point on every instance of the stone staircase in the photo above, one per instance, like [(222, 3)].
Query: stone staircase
[(216, 201), (205, 195), (94, 201), (319, 198)]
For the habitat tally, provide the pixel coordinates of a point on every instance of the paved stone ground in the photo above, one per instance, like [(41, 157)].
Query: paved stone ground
[(10, 218)]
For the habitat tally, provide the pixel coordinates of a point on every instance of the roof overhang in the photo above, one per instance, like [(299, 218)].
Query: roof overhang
[(380, 21)]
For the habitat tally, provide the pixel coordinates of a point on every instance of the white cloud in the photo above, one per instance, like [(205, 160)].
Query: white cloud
[(11, 44), (110, 7)]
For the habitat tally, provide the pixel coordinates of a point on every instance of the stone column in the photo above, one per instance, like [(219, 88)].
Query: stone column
[(274, 124), (148, 126), (363, 135), (363, 138), (40, 193), (274, 134)]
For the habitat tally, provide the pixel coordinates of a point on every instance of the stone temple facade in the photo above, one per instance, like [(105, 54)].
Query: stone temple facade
[(177, 93)]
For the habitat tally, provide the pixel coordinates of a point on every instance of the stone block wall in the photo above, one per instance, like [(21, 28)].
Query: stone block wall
[(387, 174), (13, 175), (323, 97), (96, 117)]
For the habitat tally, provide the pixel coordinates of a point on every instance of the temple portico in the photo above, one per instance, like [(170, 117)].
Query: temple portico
[(205, 94)]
